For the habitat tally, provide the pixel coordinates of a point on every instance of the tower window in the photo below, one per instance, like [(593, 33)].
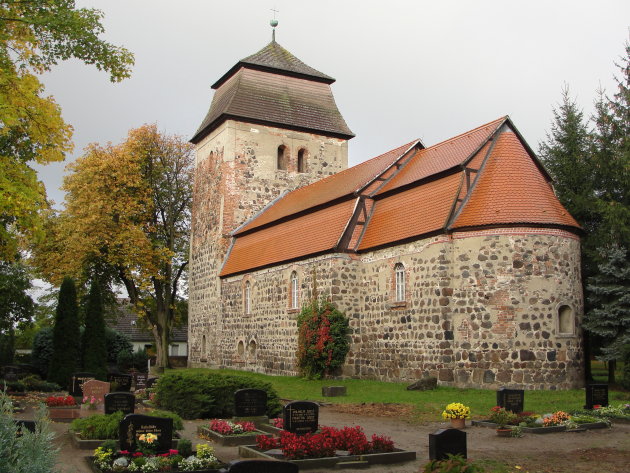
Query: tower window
[(301, 160), (294, 290), (399, 271), (282, 158), (203, 347), (248, 298), (565, 320)]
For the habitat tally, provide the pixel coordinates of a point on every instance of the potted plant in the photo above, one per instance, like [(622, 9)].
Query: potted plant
[(457, 413), (502, 418)]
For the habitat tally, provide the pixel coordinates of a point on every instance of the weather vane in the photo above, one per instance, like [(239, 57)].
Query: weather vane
[(273, 24)]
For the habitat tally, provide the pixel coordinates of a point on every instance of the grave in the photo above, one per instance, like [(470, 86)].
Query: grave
[(151, 382), (261, 466), (23, 425), (250, 403), (511, 399), (447, 441), (141, 380), (301, 417), (95, 388), (122, 381), (76, 383), (333, 391), (134, 425), (124, 402), (596, 395), (10, 372)]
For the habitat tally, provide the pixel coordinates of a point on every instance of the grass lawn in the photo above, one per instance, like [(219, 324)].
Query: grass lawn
[(428, 404)]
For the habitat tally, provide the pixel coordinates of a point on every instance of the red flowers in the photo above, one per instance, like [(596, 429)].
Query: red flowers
[(325, 443), (231, 428), (56, 401)]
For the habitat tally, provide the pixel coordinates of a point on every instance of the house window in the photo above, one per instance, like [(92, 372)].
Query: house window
[(294, 290), (174, 350), (565, 320), (301, 161), (282, 158), (248, 298), (399, 270)]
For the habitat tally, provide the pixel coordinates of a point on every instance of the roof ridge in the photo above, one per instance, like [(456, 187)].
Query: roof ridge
[(469, 132)]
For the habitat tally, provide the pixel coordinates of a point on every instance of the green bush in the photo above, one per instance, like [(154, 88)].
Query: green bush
[(42, 350), (127, 360), (322, 339), (34, 383), (204, 396), (184, 447), (105, 426), (453, 464), (116, 342)]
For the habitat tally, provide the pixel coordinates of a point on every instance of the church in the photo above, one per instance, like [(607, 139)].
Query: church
[(454, 260)]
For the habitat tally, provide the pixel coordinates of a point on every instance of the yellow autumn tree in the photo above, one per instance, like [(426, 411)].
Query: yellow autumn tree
[(127, 220), (34, 36)]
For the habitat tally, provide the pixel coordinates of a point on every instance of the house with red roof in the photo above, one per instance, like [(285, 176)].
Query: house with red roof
[(454, 260)]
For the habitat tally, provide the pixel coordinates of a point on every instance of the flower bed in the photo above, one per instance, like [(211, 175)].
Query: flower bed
[(230, 434), (61, 401), (108, 461), (557, 422)]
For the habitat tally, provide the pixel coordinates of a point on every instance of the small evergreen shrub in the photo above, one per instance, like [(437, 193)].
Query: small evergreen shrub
[(453, 464), (184, 447), (322, 339), (42, 351), (116, 342), (35, 383), (127, 360), (178, 424), (204, 396)]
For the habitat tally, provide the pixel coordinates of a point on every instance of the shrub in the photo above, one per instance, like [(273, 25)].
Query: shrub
[(178, 424), (42, 350), (128, 359), (322, 339), (453, 464), (105, 426), (35, 383), (199, 395), (184, 447), (116, 342)]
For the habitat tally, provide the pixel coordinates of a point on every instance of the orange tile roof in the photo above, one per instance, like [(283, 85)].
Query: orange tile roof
[(417, 211), (309, 234), (326, 190), (442, 156), (512, 190)]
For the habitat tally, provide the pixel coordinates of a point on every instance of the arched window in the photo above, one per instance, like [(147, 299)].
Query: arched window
[(301, 161), (251, 348), (294, 290), (247, 303), (399, 271), (565, 320), (282, 158), (240, 348)]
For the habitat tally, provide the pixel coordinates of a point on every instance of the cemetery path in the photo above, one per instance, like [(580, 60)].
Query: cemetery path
[(603, 450)]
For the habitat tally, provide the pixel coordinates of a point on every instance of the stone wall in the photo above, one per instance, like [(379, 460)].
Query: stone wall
[(236, 176), (481, 309)]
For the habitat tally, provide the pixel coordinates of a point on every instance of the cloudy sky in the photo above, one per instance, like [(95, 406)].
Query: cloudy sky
[(405, 69)]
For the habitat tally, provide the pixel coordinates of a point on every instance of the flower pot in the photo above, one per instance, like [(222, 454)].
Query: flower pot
[(458, 423), (504, 432)]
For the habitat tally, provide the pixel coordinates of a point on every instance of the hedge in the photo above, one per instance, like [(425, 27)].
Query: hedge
[(106, 426), (207, 396)]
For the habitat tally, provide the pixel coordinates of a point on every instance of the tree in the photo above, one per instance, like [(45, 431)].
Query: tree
[(34, 36), (94, 345), (66, 336), (609, 296), (127, 218), (16, 306)]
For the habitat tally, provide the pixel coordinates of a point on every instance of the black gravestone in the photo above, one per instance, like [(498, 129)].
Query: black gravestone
[(447, 441), (596, 395), (141, 380), (124, 402), (300, 417), (151, 382), (250, 403), (23, 425), (261, 466), (134, 425), (76, 382), (11, 372), (511, 399), (123, 381)]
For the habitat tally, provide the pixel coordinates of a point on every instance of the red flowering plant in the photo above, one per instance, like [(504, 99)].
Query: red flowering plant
[(278, 422), (322, 339), (60, 401), (325, 443), (224, 427)]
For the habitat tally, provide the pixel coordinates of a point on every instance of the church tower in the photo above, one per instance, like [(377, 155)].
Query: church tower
[(273, 126)]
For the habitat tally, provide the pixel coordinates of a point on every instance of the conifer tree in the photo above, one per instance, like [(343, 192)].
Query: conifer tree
[(66, 336), (94, 346)]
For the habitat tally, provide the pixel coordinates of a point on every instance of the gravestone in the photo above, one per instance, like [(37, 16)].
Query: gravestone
[(250, 403), (261, 466), (447, 441), (596, 395), (511, 399), (300, 417), (141, 380), (23, 425), (134, 425), (76, 382), (123, 381), (11, 372), (95, 388), (151, 382), (124, 402), (333, 391)]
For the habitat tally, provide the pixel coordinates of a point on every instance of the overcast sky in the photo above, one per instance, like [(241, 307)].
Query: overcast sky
[(405, 69)]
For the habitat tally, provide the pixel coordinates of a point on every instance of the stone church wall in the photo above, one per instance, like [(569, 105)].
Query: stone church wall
[(481, 309)]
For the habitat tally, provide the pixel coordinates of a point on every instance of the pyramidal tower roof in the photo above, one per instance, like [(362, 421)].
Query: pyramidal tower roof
[(273, 87)]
